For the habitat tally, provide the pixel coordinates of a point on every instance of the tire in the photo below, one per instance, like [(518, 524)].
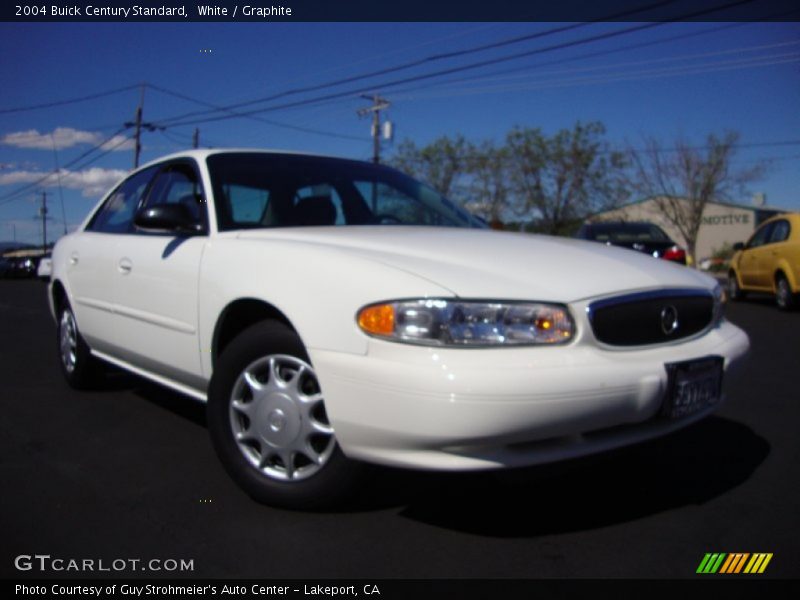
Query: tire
[(268, 424), (784, 297), (735, 292), (81, 370)]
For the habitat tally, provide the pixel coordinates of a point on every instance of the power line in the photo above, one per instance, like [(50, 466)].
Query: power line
[(763, 61), (600, 53), (16, 194), (683, 57), (172, 139), (8, 199), (253, 117), (429, 59), (108, 150), (69, 101), (451, 70), (60, 190)]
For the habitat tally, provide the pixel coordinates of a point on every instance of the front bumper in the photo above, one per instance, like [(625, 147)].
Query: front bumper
[(459, 409)]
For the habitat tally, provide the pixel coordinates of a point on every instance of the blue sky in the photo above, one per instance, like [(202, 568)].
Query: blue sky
[(704, 78)]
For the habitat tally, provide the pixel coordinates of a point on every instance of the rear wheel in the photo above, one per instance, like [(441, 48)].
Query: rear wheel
[(783, 293), (80, 368), (267, 419)]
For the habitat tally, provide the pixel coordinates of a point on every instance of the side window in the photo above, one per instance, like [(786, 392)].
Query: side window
[(780, 232), (247, 206), (116, 214), (761, 236), (179, 184), (318, 204)]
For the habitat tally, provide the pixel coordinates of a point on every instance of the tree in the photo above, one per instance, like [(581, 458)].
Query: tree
[(566, 177), (488, 189), (441, 164), (682, 179)]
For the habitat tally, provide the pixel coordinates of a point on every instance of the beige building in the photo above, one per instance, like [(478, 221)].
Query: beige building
[(723, 223)]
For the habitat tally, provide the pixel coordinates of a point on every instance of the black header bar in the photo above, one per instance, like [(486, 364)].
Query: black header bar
[(267, 11)]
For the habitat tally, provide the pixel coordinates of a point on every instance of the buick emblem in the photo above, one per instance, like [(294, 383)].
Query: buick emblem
[(669, 319)]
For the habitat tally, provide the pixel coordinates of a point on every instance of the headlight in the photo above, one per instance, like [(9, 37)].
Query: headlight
[(440, 322), (719, 305)]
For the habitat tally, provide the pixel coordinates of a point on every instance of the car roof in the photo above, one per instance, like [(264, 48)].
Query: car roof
[(203, 153), (792, 216)]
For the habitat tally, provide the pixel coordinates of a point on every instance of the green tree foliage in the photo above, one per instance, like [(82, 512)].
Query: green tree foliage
[(441, 164), (553, 181), (563, 178), (489, 189)]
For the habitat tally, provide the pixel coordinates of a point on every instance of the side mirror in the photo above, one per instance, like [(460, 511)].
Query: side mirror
[(738, 246), (172, 218)]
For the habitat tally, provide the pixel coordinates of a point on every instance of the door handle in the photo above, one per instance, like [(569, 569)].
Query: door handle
[(125, 265), (73, 258)]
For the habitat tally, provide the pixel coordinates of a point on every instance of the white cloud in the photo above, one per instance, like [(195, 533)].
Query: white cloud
[(9, 166), (63, 137), (92, 182)]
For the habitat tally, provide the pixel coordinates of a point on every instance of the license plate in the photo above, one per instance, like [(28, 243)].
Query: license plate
[(692, 386)]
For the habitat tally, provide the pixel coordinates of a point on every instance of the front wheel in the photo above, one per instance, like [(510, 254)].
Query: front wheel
[(268, 424)]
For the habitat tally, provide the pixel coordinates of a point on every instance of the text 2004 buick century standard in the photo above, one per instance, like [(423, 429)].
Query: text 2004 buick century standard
[(334, 312)]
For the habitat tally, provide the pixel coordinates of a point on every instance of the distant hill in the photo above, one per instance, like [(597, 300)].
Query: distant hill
[(6, 246)]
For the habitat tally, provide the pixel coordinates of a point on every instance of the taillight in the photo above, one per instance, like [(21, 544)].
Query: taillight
[(675, 253)]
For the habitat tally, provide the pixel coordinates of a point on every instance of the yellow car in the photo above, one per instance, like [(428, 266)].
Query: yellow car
[(769, 262)]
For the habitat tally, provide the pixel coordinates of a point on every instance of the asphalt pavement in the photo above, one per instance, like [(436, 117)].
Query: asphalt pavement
[(127, 472)]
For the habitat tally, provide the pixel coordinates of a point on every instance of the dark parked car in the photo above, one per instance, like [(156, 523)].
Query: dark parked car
[(22, 267), (5, 267), (641, 236)]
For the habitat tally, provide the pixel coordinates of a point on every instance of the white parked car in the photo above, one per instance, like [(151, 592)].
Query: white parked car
[(45, 268), (334, 312)]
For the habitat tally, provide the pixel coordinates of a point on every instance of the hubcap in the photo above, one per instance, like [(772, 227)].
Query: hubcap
[(278, 418), (68, 341)]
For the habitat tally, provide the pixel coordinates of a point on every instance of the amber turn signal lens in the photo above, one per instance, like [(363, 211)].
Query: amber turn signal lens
[(377, 319)]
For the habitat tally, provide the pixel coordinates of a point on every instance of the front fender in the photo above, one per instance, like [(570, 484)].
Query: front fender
[(788, 270), (298, 279)]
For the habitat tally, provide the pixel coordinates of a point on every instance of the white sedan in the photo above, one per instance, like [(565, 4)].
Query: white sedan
[(333, 312), (45, 268)]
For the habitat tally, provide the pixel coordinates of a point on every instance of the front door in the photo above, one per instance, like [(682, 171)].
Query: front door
[(156, 298)]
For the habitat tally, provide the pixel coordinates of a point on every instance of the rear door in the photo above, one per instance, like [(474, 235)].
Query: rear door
[(91, 271)]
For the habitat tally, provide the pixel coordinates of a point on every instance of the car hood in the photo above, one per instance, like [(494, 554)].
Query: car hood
[(476, 263)]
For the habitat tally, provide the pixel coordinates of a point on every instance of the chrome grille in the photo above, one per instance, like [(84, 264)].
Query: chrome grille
[(651, 317)]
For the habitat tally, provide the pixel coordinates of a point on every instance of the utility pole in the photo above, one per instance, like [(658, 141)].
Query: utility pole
[(196, 138), (378, 104), (43, 213), (137, 150), (138, 125)]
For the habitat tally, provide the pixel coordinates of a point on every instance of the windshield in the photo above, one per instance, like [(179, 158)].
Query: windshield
[(257, 190)]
